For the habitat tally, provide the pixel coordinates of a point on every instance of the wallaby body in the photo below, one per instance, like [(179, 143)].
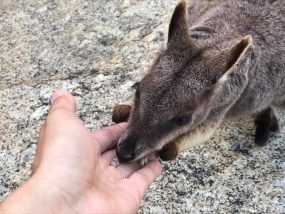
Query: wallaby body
[(224, 22), (228, 62)]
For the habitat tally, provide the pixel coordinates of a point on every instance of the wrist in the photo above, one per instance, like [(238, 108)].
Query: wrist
[(36, 196)]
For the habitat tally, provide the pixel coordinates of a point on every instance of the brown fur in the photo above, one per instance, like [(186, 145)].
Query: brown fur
[(121, 113)]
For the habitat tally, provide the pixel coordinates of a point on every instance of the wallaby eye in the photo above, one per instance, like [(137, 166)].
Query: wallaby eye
[(137, 93), (182, 120), (137, 87)]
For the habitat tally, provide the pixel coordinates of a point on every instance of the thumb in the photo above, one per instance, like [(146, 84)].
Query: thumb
[(62, 100), (62, 106)]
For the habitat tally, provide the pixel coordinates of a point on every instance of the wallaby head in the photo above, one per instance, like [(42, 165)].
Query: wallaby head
[(188, 85)]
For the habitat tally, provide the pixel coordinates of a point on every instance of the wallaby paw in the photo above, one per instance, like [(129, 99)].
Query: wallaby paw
[(121, 113), (143, 162), (265, 122), (261, 135), (274, 125), (168, 152)]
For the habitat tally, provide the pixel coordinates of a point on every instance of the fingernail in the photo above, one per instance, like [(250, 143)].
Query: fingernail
[(57, 94)]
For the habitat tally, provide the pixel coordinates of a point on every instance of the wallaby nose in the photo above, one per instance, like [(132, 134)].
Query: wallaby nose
[(124, 154)]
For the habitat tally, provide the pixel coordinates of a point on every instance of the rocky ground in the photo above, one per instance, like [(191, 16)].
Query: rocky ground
[(97, 50)]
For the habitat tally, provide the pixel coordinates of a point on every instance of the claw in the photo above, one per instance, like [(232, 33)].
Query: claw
[(143, 162)]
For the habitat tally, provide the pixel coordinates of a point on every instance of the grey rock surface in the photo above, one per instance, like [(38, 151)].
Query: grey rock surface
[(97, 50)]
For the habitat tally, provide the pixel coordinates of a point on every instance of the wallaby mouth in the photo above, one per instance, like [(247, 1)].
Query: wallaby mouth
[(130, 149), (125, 157), (126, 148), (125, 153)]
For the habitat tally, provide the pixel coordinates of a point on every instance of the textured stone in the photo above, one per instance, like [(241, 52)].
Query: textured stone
[(97, 50)]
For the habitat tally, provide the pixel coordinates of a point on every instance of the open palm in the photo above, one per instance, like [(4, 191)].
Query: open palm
[(72, 171)]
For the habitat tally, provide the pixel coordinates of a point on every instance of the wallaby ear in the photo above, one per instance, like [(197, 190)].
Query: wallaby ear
[(237, 62), (237, 52), (178, 28)]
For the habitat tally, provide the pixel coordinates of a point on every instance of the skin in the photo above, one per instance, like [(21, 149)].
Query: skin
[(72, 172)]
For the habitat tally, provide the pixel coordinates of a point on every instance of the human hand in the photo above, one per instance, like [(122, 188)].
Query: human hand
[(72, 172)]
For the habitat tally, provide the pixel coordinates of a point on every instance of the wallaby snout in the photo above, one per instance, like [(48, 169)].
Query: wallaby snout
[(131, 147), (126, 148), (125, 153)]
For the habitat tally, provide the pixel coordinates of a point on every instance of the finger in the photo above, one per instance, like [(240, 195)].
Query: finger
[(144, 177), (62, 100), (124, 169), (127, 169), (38, 151), (108, 137), (109, 156), (152, 157), (41, 138)]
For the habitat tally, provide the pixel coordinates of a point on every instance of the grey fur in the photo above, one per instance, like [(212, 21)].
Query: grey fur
[(229, 61)]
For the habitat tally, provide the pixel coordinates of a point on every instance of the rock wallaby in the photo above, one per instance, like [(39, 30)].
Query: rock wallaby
[(226, 59)]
